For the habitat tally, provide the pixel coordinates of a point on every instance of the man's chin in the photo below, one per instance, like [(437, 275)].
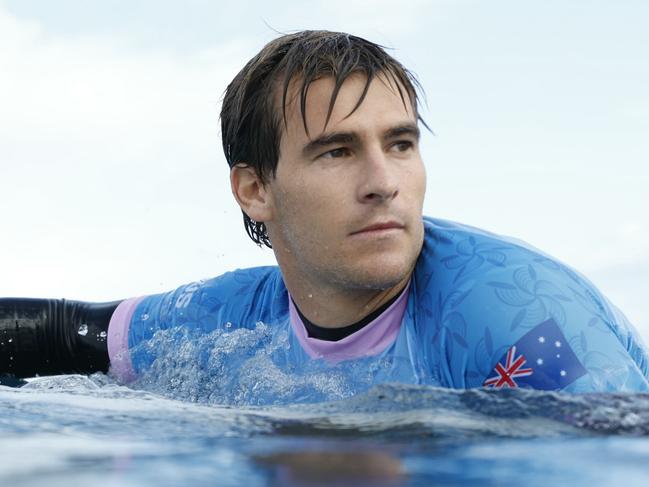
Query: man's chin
[(380, 277)]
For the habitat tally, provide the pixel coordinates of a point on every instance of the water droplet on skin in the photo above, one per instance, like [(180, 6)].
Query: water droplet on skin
[(83, 330)]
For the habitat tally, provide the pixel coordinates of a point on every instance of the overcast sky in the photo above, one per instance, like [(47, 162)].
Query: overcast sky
[(113, 184)]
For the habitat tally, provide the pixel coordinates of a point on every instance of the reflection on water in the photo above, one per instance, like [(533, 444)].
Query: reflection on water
[(319, 468)]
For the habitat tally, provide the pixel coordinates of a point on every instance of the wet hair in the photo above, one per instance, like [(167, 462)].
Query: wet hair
[(251, 123)]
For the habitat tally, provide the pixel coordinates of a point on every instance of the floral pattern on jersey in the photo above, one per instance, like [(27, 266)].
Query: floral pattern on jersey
[(537, 299), (471, 256)]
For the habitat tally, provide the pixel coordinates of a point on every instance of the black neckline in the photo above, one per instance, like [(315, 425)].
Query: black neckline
[(336, 334)]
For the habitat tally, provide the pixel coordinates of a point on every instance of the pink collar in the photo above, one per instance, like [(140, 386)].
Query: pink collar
[(370, 340)]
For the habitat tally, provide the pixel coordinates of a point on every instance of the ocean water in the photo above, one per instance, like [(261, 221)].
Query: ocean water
[(66, 430), (215, 411)]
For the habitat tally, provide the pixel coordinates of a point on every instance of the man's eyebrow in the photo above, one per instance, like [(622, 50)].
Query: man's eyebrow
[(410, 129), (326, 140), (332, 138)]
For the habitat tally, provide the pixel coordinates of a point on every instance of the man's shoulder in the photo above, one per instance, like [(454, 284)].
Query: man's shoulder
[(463, 250), (243, 285), (482, 296), (231, 290), (207, 304), (450, 233), (243, 276)]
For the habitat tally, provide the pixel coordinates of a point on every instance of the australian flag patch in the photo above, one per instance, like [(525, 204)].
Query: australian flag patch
[(541, 359)]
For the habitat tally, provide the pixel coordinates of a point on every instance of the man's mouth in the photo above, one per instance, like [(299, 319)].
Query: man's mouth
[(379, 228)]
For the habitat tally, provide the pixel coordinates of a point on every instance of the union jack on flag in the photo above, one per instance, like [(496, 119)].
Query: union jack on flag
[(546, 349), (505, 374)]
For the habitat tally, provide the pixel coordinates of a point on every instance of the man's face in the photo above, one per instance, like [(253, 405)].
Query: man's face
[(346, 200)]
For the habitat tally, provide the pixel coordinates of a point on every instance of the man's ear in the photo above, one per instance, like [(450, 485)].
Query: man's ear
[(250, 192)]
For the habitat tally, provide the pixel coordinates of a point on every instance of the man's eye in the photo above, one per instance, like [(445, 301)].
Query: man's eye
[(403, 145), (336, 153)]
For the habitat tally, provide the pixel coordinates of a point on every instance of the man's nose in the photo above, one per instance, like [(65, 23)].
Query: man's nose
[(378, 178)]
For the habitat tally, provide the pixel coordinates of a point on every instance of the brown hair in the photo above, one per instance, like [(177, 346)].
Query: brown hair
[(251, 124)]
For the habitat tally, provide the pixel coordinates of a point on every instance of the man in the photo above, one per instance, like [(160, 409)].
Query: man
[(342, 205), (321, 133)]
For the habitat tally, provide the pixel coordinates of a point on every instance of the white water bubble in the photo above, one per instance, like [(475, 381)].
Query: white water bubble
[(228, 325), (83, 330), (103, 334)]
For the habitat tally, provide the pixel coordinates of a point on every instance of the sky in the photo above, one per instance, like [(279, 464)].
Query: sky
[(113, 183)]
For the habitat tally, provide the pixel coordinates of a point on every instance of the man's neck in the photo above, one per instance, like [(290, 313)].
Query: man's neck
[(336, 308)]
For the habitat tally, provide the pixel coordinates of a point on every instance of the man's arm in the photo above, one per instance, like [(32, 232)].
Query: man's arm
[(50, 336)]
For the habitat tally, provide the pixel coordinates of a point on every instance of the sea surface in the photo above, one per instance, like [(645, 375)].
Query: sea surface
[(77, 430), (217, 411)]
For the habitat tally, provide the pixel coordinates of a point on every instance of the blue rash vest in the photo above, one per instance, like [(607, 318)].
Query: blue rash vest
[(481, 310)]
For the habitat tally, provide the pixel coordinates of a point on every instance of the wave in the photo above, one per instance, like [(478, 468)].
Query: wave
[(392, 411)]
